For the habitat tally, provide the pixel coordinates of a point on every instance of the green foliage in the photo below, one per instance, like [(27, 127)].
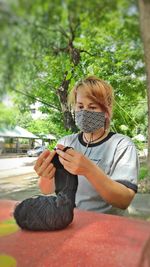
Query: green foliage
[(7, 116), (46, 126), (140, 145), (36, 56), (24, 119), (143, 172), (52, 145)]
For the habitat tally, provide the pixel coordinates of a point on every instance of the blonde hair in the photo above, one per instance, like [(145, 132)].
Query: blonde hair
[(98, 90)]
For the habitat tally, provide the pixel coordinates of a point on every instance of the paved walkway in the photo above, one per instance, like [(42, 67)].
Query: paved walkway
[(18, 172), (140, 205)]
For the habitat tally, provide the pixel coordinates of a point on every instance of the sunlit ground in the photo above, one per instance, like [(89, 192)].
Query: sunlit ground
[(20, 188)]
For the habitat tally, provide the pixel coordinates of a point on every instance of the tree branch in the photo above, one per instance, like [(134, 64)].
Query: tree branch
[(84, 51), (35, 98)]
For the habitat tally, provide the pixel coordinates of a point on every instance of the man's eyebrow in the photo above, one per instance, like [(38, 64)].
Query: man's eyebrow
[(79, 102), (92, 103)]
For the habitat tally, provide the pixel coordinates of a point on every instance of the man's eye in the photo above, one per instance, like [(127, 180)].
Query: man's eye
[(92, 108), (80, 107)]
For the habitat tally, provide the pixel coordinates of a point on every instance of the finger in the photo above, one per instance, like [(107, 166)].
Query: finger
[(67, 165), (64, 155), (71, 151), (49, 158), (52, 173), (61, 160), (59, 146), (45, 158), (40, 159), (41, 170), (49, 172)]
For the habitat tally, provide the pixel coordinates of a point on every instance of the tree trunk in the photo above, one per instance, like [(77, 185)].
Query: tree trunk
[(75, 58), (144, 8), (69, 123)]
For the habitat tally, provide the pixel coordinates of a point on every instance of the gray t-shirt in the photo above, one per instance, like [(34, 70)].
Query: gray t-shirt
[(116, 155)]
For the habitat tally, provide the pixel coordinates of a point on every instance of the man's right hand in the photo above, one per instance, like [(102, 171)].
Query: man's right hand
[(44, 167)]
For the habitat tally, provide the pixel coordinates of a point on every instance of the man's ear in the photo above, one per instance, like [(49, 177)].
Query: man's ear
[(107, 120)]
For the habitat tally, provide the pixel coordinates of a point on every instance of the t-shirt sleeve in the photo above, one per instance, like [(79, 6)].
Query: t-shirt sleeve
[(64, 141), (61, 141), (68, 140), (125, 166)]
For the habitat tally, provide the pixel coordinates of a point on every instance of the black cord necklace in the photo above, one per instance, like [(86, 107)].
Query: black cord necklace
[(90, 141), (91, 138)]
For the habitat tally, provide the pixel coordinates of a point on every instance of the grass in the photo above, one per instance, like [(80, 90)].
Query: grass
[(143, 172)]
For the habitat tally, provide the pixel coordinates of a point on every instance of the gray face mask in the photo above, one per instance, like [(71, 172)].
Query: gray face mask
[(89, 121)]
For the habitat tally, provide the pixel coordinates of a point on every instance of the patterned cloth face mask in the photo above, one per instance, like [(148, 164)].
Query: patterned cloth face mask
[(89, 121)]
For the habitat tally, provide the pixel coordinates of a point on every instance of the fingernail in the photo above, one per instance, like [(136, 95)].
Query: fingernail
[(58, 150)]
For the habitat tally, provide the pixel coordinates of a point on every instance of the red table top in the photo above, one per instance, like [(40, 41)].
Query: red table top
[(92, 240)]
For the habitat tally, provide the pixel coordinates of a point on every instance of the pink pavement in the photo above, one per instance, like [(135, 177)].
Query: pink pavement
[(92, 240)]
